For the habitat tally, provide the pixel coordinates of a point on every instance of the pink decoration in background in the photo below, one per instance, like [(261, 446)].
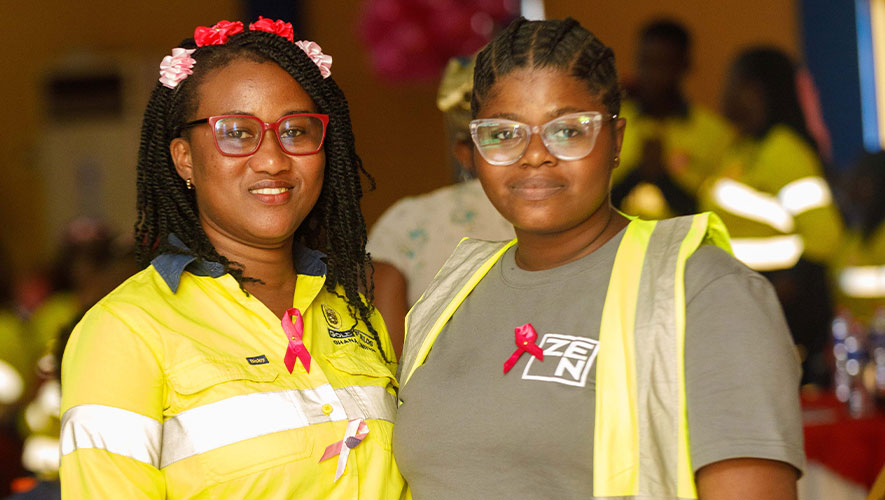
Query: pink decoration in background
[(315, 53), (177, 67), (294, 331), (414, 39), (525, 337)]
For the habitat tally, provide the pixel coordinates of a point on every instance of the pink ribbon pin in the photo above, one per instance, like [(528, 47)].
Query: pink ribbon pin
[(357, 430), (294, 334), (525, 337)]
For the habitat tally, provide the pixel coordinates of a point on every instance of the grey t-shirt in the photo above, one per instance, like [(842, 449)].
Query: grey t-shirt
[(467, 430)]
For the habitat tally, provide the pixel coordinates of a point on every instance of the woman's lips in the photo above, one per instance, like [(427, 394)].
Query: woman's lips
[(271, 192), (538, 188)]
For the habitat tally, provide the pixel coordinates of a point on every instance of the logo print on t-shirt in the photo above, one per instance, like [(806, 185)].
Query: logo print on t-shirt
[(567, 360)]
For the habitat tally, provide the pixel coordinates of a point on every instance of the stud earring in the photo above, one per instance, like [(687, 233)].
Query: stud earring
[(189, 184), (617, 159)]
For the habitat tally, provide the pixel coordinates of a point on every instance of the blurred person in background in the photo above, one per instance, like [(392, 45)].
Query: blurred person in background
[(412, 239), (859, 268), (16, 376), (91, 262), (76, 280), (672, 144), (772, 194)]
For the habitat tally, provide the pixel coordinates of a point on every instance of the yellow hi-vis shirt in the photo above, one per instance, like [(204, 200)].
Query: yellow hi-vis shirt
[(693, 146), (859, 273), (777, 206), (174, 386)]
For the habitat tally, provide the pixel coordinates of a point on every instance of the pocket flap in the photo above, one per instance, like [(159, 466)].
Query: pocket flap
[(194, 376), (356, 365)]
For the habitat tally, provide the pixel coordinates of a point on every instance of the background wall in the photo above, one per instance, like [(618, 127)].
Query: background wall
[(399, 132)]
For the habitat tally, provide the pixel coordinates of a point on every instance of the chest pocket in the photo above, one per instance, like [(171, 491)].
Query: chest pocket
[(228, 419), (365, 385)]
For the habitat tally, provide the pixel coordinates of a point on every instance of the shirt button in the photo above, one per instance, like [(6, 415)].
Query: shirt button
[(327, 409)]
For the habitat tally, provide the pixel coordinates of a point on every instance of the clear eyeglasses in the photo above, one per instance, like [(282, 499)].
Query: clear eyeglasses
[(569, 137), (241, 135)]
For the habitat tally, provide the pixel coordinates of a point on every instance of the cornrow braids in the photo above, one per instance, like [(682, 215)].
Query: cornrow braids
[(560, 44), (334, 226)]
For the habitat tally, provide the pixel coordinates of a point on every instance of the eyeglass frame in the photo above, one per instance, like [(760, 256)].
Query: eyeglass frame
[(265, 126), (535, 130)]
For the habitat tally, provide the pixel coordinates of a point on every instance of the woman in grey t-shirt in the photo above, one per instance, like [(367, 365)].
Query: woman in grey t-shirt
[(693, 396)]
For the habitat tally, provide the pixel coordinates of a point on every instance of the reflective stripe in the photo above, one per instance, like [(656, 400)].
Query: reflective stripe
[(805, 194), (116, 430), (435, 307), (43, 410), (248, 416), (218, 424), (11, 383), (769, 254), (744, 201), (40, 454), (865, 282)]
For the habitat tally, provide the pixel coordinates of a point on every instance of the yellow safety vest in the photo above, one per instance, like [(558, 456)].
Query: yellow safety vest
[(641, 442)]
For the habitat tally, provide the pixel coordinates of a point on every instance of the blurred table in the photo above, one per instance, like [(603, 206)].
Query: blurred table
[(844, 454)]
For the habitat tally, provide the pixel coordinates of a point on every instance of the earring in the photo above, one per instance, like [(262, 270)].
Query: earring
[(617, 159), (189, 184)]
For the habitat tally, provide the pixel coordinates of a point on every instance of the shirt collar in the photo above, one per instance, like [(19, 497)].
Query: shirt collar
[(171, 265)]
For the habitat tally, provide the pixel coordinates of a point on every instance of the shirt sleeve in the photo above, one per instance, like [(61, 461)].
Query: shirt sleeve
[(742, 371), (112, 411)]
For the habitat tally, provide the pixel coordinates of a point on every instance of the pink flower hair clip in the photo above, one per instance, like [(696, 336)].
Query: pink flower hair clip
[(315, 53), (176, 67)]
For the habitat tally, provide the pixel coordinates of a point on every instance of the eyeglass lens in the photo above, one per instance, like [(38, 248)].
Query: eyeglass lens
[(242, 135), (571, 137)]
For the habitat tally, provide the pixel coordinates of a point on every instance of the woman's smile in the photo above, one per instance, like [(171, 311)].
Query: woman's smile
[(272, 192)]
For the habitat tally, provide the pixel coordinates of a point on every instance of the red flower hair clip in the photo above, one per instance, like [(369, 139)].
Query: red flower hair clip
[(218, 34), (278, 27)]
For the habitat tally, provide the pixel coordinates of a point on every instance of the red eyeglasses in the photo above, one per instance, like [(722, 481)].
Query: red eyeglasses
[(241, 135)]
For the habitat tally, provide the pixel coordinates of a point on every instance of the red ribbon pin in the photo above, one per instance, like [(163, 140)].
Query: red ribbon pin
[(294, 334), (525, 337)]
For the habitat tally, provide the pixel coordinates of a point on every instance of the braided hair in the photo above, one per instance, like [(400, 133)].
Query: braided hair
[(334, 226), (560, 44)]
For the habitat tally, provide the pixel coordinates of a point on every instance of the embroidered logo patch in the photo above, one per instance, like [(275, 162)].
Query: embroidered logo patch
[(353, 336), (567, 360), (332, 317), (338, 334), (258, 360)]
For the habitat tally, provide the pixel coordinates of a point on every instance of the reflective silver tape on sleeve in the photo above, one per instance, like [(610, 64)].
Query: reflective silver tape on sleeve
[(116, 430), (769, 254), (11, 383), (805, 194), (744, 201), (248, 416), (40, 454), (863, 281)]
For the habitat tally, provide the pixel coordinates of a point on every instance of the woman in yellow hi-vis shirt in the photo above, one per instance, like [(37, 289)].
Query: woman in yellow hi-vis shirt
[(773, 197), (594, 356), (242, 361)]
